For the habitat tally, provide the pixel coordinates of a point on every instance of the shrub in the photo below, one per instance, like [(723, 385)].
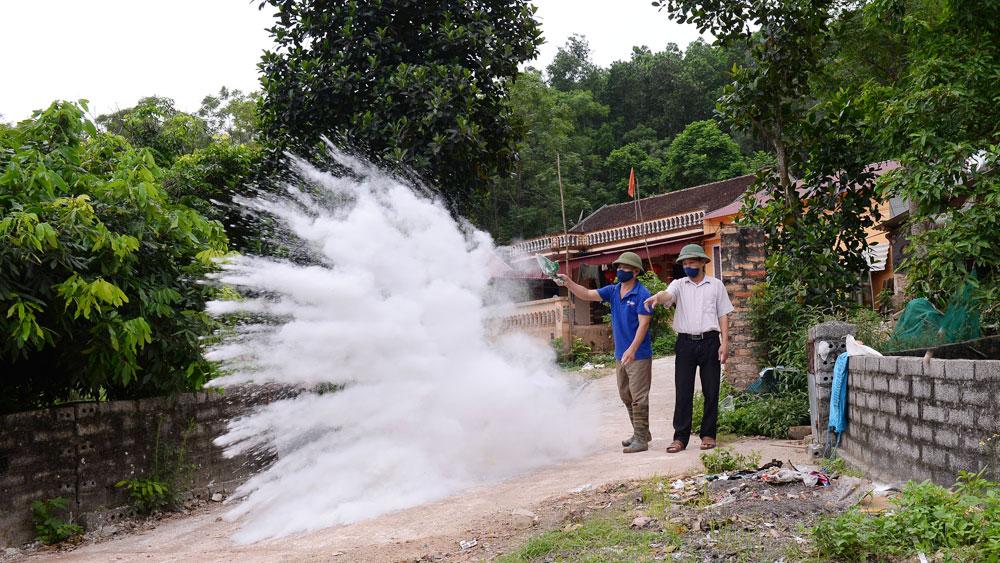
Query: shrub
[(100, 273), (49, 527), (208, 179), (147, 494), (780, 324), (963, 523), (765, 414), (579, 352)]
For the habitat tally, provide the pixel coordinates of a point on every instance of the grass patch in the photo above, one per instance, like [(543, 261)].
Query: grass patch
[(597, 540), (726, 459), (840, 467), (958, 524)]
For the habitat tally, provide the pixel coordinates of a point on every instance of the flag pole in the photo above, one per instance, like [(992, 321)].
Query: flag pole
[(567, 346), (639, 218)]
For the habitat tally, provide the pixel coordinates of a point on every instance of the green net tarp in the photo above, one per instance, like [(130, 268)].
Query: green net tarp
[(922, 325)]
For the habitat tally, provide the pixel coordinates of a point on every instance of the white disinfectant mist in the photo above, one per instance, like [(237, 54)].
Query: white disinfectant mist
[(391, 311)]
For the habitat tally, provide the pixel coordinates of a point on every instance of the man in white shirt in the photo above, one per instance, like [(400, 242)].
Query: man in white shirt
[(702, 325)]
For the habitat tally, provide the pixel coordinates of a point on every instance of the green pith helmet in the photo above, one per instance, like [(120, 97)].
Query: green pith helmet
[(629, 259), (693, 251)]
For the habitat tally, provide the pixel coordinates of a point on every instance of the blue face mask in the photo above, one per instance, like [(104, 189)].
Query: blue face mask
[(625, 275), (692, 272)]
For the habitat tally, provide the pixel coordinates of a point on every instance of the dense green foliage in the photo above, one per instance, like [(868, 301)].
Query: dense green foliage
[(557, 123), (957, 524), (833, 86), (602, 122), (443, 97), (941, 119), (428, 94), (762, 414), (210, 181), (153, 123), (232, 115), (780, 321), (816, 203), (100, 292)]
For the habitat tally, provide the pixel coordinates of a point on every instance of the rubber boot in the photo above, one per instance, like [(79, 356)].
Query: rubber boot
[(640, 422), (628, 440)]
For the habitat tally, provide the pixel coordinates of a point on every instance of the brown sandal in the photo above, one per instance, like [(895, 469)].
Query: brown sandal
[(675, 447), (708, 443)]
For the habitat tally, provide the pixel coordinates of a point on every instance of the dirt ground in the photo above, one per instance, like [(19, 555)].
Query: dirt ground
[(434, 532)]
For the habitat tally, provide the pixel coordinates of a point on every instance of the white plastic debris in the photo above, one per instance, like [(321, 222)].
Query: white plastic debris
[(468, 544), (587, 367), (582, 488), (855, 348), (728, 404), (677, 485), (823, 349)]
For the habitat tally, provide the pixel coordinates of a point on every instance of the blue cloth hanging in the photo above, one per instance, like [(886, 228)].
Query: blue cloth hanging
[(838, 395)]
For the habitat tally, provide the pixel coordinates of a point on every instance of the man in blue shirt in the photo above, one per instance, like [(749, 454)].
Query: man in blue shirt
[(633, 343)]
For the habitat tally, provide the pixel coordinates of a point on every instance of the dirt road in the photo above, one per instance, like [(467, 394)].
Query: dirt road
[(438, 527)]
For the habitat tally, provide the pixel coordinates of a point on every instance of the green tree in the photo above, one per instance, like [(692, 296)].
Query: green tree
[(421, 84), (942, 119), (232, 114), (153, 123), (819, 195), (816, 203), (650, 89), (528, 202), (572, 68), (211, 181), (702, 153), (648, 158), (100, 292), (666, 90)]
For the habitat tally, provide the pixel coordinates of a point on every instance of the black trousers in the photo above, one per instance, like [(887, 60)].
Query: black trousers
[(701, 355)]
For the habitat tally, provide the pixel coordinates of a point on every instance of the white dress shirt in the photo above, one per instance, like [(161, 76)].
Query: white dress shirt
[(699, 305)]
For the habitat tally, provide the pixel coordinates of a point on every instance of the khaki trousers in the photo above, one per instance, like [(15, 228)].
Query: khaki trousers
[(633, 388)]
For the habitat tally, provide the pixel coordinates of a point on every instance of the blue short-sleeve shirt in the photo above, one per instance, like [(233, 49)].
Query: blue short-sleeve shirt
[(625, 313)]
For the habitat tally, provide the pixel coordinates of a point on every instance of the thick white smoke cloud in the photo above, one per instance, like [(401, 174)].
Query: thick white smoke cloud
[(395, 313)]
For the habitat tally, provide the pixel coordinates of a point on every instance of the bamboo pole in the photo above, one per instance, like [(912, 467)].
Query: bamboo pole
[(639, 218), (572, 302)]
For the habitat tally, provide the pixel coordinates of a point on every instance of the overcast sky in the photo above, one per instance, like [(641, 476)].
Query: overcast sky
[(112, 52)]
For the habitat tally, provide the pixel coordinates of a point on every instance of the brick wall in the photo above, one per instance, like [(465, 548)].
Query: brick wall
[(914, 420), (742, 268), (80, 451)]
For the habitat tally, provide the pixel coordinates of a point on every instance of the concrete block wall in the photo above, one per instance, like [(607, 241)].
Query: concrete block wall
[(742, 268), (910, 419), (80, 451)]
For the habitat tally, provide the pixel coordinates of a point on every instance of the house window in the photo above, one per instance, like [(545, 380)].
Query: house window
[(717, 258)]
